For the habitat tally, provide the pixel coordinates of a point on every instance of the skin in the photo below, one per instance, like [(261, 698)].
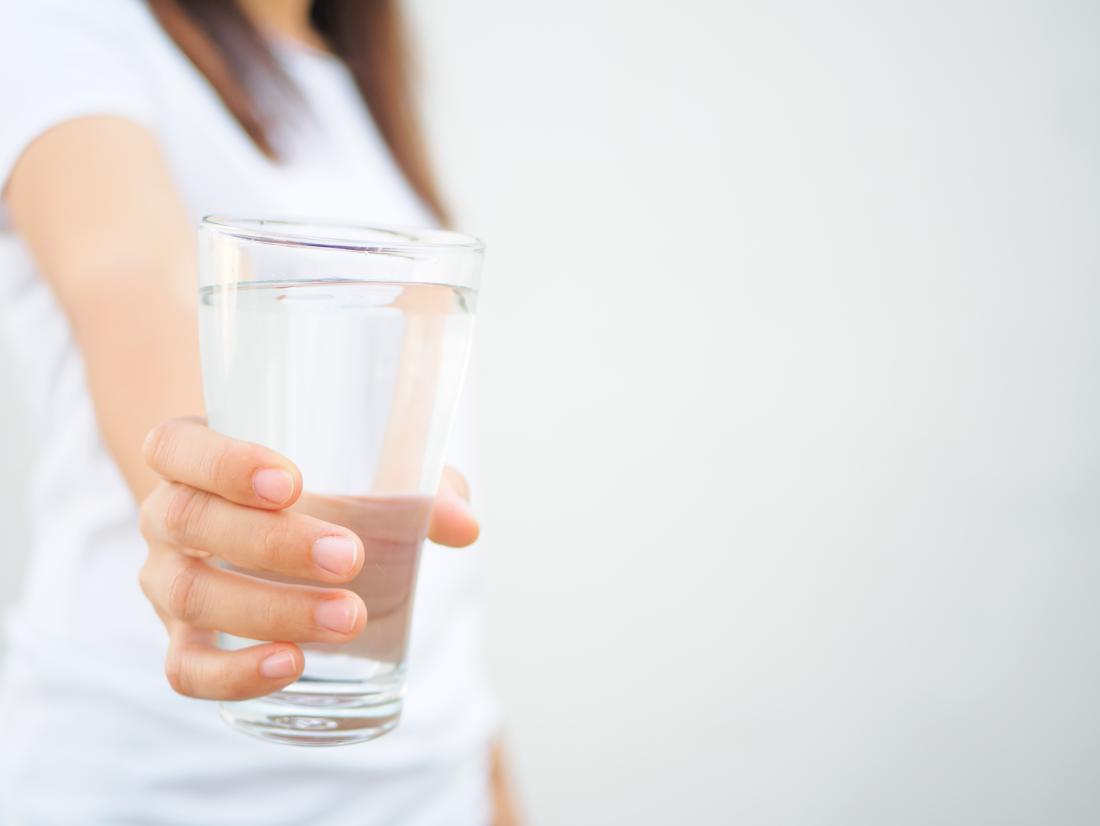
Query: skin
[(94, 201)]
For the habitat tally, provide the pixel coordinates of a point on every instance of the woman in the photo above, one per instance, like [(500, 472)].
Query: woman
[(121, 123)]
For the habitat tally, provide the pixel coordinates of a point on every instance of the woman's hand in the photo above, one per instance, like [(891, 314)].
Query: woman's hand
[(225, 498)]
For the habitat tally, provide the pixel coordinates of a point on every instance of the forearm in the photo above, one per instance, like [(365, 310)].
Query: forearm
[(142, 367), (505, 807), (94, 201)]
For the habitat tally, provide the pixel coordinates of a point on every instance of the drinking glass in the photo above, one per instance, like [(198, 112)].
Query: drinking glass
[(344, 348)]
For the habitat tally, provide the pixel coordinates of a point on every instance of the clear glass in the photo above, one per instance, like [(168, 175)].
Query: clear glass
[(344, 348)]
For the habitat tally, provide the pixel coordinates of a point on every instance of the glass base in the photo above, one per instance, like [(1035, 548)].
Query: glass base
[(300, 718)]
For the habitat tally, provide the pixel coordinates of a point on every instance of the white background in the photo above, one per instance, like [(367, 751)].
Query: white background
[(790, 402)]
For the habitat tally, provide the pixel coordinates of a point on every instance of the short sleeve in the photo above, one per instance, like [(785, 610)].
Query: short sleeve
[(63, 59)]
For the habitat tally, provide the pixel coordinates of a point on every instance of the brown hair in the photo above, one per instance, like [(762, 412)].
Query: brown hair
[(368, 35)]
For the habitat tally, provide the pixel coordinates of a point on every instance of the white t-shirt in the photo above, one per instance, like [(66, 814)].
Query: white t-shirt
[(90, 732)]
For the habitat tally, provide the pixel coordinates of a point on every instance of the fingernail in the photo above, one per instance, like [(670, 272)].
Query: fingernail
[(336, 554), (337, 615), (276, 486), (278, 666)]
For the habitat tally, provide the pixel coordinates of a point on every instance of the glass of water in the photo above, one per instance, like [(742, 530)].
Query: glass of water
[(343, 348)]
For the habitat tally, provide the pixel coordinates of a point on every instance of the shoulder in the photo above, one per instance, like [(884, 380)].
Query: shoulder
[(31, 24), (104, 12), (61, 59), (43, 40), (51, 48)]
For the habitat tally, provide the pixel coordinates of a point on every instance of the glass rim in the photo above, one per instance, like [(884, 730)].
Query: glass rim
[(339, 234)]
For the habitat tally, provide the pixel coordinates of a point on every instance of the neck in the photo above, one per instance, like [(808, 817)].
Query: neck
[(288, 18)]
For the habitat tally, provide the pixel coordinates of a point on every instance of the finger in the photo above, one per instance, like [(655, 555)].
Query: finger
[(187, 451), (453, 522), (193, 592), (280, 542), (195, 667)]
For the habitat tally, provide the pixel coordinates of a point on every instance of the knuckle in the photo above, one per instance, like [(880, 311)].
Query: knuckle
[(178, 674), (272, 614), (186, 592), (273, 543), (220, 465), (461, 485), (183, 511), (151, 513), (145, 580), (457, 482), (156, 446), (228, 466), (147, 520), (240, 684)]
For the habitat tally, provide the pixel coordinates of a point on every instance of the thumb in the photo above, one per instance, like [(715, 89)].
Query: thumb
[(453, 522)]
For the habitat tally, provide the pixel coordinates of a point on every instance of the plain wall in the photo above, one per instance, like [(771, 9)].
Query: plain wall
[(790, 402)]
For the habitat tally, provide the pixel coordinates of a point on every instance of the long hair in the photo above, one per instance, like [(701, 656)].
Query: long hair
[(368, 35)]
